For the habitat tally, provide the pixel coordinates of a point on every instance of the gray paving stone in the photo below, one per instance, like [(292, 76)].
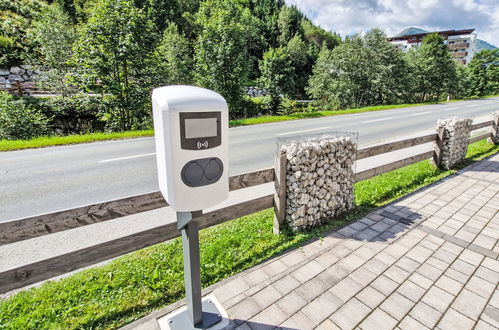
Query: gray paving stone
[(269, 318), (471, 257), (312, 289), (397, 306), (449, 285), (256, 277), (350, 314), (429, 272), (370, 297), (327, 325), (327, 259), (297, 321), (491, 316), (244, 310), (425, 314), (363, 276), (480, 287), (491, 264), (323, 306), (376, 266), (384, 285), (488, 275), (463, 267), (345, 289), (411, 290), (366, 235), (286, 284), (408, 323), (457, 275), (267, 296), (293, 258), (482, 325), (438, 299), (231, 289), (469, 304), (274, 268), (455, 320), (291, 303), (407, 264), (308, 271), (378, 319), (396, 274), (437, 263)]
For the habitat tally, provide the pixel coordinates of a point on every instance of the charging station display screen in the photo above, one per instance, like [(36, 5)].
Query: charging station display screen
[(200, 127)]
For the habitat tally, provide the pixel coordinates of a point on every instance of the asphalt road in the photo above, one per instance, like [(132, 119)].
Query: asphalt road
[(45, 180)]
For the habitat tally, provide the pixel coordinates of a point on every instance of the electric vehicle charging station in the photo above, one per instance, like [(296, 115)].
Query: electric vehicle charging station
[(191, 128)]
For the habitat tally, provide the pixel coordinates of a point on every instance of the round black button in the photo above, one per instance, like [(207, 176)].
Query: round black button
[(214, 169), (192, 174)]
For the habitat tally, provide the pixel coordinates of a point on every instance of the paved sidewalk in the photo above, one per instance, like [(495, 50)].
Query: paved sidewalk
[(429, 260)]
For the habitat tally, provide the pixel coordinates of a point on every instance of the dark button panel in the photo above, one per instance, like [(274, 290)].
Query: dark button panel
[(202, 172)]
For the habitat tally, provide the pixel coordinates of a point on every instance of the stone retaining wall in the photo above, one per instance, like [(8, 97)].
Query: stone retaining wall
[(455, 143), (23, 77), (256, 91), (319, 179)]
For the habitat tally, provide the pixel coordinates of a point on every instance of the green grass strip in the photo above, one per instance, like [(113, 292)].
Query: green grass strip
[(8, 145), (134, 285), (316, 114)]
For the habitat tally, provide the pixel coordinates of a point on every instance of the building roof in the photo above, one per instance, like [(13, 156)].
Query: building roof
[(447, 32)]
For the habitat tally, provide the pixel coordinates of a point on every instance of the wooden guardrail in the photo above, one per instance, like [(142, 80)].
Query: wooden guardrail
[(17, 230), (45, 224)]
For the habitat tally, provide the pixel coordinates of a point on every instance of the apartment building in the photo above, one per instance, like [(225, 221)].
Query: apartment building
[(461, 43)]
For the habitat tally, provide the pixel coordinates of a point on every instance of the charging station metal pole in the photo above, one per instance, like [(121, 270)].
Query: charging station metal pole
[(198, 315)]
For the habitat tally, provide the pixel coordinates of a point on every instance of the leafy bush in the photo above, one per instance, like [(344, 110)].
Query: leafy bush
[(75, 114), (19, 121)]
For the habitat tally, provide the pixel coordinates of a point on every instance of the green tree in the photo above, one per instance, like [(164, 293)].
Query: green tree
[(172, 62), (433, 69), (341, 77), (111, 56), (277, 71), (301, 62), (221, 55), (484, 73), (387, 69), (16, 44), (289, 23), (56, 36)]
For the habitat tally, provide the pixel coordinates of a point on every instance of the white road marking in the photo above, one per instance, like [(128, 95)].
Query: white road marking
[(421, 113), (123, 158), (375, 120), (305, 131), (454, 108)]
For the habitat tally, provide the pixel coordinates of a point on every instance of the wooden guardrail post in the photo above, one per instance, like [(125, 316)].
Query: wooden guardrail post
[(280, 191), (494, 130), (438, 148)]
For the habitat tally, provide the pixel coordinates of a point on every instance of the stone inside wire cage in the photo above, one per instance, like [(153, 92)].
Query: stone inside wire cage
[(319, 176)]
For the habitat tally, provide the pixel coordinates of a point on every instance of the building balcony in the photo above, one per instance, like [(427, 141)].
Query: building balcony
[(460, 54), (458, 45)]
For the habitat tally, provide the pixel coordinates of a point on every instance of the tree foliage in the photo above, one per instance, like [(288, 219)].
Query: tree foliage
[(484, 73), (56, 36), (111, 57), (172, 62), (220, 54), (433, 69)]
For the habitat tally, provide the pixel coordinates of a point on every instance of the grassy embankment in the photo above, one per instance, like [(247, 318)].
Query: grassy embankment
[(8, 145), (134, 285)]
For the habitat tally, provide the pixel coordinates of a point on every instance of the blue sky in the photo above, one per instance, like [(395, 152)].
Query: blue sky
[(356, 16)]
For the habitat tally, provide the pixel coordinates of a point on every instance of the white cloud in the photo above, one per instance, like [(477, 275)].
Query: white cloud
[(357, 16)]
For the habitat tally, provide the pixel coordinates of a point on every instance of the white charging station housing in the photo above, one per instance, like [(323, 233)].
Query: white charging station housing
[(190, 129)]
